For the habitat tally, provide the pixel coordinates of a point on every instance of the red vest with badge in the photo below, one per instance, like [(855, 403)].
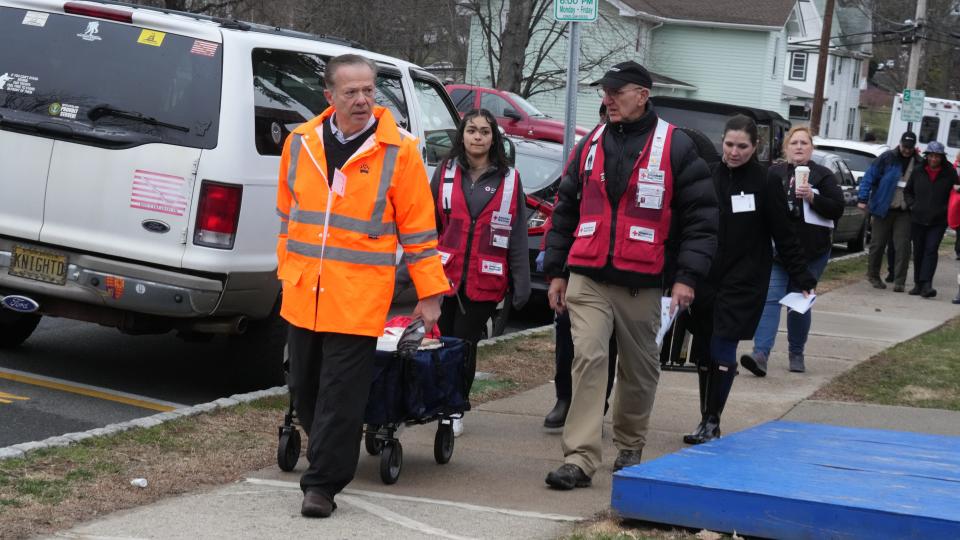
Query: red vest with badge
[(481, 244), (642, 217)]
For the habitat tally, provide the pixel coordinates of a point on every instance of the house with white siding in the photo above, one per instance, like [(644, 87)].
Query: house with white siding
[(727, 51), (847, 66)]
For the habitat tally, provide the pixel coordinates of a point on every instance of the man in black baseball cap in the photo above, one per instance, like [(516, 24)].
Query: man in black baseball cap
[(625, 89), (908, 140), (616, 273)]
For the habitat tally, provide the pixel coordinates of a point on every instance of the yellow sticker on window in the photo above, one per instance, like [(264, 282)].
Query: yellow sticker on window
[(151, 37)]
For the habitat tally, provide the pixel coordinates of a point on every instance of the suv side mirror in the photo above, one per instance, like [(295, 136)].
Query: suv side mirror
[(510, 150), (511, 114)]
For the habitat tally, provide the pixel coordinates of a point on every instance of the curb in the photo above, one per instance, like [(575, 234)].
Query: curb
[(20, 450)]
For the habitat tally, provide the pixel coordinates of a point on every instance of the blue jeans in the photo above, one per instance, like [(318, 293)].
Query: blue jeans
[(798, 326)]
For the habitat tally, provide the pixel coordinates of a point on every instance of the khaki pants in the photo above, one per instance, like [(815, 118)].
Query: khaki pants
[(895, 228), (596, 309)]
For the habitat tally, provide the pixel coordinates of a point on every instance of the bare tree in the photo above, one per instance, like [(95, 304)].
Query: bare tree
[(522, 44)]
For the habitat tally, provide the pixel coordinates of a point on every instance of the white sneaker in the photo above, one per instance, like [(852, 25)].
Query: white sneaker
[(457, 427)]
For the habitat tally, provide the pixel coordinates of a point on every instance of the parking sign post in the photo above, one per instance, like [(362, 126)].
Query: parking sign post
[(911, 109), (575, 12)]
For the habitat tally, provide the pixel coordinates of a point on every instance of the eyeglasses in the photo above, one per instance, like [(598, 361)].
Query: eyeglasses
[(354, 92), (615, 93)]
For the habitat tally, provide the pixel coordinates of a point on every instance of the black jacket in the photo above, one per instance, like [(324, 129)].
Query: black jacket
[(928, 199), (736, 288), (692, 239), (814, 239), (478, 195)]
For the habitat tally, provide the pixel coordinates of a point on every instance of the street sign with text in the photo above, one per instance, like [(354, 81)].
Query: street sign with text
[(575, 10), (912, 109)]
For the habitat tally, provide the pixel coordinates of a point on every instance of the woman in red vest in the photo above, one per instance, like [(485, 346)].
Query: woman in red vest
[(481, 219)]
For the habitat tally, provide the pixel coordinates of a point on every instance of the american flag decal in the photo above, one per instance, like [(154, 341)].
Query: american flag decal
[(204, 48), (158, 192)]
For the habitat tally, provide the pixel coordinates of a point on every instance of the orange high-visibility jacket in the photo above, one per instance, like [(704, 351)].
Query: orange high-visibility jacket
[(345, 284)]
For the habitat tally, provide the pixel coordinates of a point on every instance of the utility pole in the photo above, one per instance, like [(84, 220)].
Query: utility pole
[(824, 55), (916, 49)]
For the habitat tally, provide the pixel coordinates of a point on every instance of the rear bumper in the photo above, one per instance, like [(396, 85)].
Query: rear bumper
[(118, 285)]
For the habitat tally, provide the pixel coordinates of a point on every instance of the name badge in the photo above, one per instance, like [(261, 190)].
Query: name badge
[(490, 267), (500, 218), (649, 197), (902, 184), (642, 234), (743, 203), (651, 176), (587, 229), (500, 241), (444, 257), (339, 182)]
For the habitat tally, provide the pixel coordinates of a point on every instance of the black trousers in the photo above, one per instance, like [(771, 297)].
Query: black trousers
[(926, 243), (467, 325), (330, 377), (562, 379)]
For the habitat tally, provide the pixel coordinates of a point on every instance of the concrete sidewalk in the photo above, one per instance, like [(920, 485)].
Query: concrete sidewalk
[(494, 485)]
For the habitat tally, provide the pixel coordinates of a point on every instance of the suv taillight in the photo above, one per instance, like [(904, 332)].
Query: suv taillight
[(98, 12), (217, 215)]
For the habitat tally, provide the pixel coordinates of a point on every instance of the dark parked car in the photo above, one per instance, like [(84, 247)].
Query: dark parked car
[(517, 116), (851, 229), (709, 117)]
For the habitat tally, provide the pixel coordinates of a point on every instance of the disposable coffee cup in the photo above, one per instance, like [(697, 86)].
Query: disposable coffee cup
[(802, 174)]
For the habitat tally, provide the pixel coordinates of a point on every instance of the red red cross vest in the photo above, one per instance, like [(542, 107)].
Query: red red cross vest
[(483, 244), (643, 215)]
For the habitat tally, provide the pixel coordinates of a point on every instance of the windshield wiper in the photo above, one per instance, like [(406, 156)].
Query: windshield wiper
[(106, 110)]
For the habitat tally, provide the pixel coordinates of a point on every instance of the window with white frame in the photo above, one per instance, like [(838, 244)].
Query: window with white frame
[(851, 122), (833, 68), (798, 66), (776, 54), (857, 66)]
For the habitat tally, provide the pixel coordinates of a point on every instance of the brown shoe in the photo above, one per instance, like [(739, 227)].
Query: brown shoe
[(317, 504)]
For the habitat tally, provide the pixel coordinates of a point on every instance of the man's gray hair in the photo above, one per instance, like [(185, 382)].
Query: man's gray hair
[(345, 60)]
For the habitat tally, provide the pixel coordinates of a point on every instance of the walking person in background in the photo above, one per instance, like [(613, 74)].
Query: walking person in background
[(817, 195), (634, 194), (352, 185), (483, 234), (729, 302), (927, 194), (881, 194)]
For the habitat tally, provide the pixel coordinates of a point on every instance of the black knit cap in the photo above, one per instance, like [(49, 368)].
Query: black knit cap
[(625, 73)]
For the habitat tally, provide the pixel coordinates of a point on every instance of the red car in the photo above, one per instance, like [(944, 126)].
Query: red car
[(514, 114)]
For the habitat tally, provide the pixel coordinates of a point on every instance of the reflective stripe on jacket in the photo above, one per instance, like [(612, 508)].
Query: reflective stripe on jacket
[(337, 254), (477, 250), (634, 237)]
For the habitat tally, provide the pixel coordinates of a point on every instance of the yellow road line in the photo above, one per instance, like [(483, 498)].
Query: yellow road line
[(8, 399), (85, 391)]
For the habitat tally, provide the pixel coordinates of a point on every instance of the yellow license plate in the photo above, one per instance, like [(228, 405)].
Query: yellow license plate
[(38, 265)]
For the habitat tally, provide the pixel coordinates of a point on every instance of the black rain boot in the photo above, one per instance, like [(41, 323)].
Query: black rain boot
[(703, 378), (721, 381), (557, 417)]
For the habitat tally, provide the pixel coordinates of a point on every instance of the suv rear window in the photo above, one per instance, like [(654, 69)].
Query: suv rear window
[(107, 84)]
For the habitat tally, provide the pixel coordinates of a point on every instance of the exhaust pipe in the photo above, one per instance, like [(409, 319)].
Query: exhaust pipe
[(232, 325), (19, 303)]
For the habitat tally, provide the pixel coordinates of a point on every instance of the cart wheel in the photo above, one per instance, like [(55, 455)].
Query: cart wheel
[(370, 440), (288, 451), (391, 460), (443, 443)]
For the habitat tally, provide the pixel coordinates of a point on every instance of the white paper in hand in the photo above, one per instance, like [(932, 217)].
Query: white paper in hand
[(797, 302), (665, 319)]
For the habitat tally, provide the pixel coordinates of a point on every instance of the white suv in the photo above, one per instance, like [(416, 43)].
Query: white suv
[(139, 153)]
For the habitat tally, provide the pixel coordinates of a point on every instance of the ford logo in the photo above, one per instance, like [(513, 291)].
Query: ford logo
[(15, 302), (155, 226)]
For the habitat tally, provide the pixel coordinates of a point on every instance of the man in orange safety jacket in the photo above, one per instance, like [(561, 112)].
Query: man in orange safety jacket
[(352, 185)]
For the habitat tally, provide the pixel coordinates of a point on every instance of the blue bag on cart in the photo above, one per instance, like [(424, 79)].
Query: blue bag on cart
[(437, 379), (426, 384)]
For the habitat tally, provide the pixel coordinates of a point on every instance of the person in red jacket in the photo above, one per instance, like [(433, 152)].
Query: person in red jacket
[(480, 207)]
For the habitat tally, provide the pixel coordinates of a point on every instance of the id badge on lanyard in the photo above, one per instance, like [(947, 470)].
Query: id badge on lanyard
[(650, 180)]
